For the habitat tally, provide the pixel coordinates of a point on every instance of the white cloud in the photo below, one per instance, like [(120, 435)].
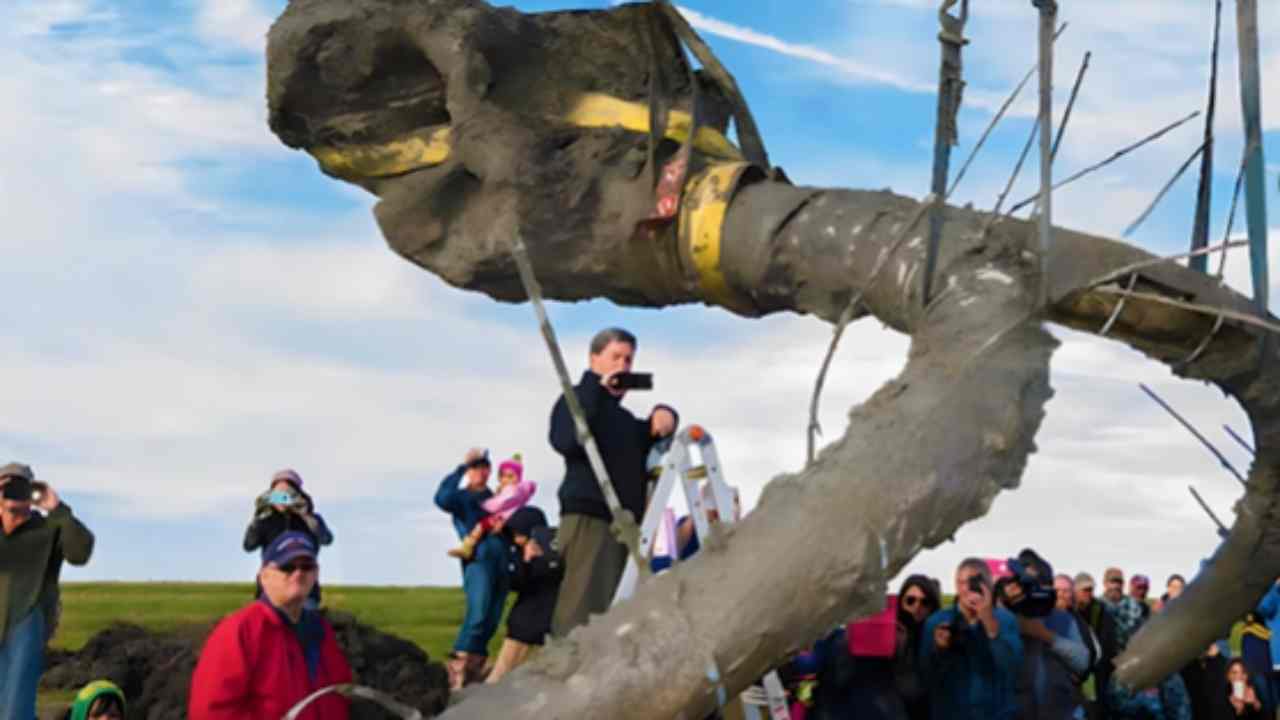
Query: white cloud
[(168, 363)]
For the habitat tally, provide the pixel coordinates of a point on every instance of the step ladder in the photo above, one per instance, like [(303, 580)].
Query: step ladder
[(672, 463)]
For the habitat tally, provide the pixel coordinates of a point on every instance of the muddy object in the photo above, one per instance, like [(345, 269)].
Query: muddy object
[(925, 454), (154, 669)]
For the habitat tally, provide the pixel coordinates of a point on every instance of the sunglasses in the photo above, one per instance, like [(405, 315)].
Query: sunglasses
[(293, 567), (911, 601)]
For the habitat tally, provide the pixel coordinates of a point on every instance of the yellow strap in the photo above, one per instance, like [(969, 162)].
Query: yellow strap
[(431, 146), (702, 215)]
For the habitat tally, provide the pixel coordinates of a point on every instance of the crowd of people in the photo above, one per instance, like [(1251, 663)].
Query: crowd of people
[(1027, 644), (1016, 640)]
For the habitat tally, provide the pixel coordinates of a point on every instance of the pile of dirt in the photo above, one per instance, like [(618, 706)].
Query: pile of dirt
[(154, 669)]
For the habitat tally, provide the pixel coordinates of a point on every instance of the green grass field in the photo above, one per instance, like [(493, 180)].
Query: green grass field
[(428, 616)]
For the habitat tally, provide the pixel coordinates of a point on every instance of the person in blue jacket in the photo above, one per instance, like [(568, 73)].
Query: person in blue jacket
[(970, 654), (1269, 613), (484, 577)]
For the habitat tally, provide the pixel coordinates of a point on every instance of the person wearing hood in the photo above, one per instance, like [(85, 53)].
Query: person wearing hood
[(513, 493), (33, 546), (535, 570), (285, 507), (99, 700)]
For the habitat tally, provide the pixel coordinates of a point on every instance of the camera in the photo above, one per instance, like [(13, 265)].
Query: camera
[(1033, 575), (632, 381)]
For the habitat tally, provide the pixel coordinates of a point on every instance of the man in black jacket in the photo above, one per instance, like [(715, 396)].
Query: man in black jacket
[(1103, 625), (593, 559)]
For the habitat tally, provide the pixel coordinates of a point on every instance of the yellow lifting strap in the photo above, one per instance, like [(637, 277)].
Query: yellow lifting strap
[(702, 215), (427, 147)]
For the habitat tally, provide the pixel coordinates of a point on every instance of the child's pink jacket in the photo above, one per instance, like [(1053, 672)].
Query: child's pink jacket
[(510, 499)]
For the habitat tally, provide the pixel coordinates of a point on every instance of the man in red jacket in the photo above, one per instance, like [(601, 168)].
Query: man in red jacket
[(262, 660)]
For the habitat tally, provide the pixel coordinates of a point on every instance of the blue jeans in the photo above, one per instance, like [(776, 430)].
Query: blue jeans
[(21, 664), (484, 580)]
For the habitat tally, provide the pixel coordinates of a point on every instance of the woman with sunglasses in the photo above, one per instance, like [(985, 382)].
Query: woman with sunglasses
[(877, 688)]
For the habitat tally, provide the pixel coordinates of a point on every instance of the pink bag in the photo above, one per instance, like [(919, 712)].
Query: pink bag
[(876, 636)]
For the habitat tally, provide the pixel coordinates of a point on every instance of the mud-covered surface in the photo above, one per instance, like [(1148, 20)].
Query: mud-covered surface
[(343, 73), (154, 669)]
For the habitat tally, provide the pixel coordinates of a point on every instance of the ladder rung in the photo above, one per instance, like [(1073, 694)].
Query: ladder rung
[(697, 473)]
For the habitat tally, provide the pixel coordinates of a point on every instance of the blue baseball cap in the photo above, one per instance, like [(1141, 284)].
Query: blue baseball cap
[(288, 546)]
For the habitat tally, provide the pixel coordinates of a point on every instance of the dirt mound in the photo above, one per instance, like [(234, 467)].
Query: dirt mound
[(154, 669)]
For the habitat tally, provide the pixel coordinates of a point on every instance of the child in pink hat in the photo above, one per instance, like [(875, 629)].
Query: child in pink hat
[(513, 493)]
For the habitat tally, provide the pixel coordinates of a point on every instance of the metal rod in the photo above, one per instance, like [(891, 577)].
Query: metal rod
[(945, 132), (1222, 529), (1071, 103), (1163, 191), (1200, 229), (1048, 15), (1008, 102), (1231, 218), (1203, 440), (1255, 191), (1236, 436), (1114, 156), (624, 524)]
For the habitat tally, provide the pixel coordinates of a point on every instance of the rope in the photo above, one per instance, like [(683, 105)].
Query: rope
[(624, 525)]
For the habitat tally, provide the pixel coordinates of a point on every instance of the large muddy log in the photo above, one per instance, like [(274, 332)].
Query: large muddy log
[(472, 124)]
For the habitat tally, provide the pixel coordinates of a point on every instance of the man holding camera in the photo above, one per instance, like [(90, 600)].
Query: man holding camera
[(594, 560), (32, 548), (970, 654)]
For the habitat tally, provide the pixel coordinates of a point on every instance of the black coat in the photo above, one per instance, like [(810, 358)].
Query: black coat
[(624, 444), (536, 585), (272, 523)]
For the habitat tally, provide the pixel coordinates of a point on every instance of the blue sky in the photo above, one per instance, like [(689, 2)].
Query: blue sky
[(191, 305)]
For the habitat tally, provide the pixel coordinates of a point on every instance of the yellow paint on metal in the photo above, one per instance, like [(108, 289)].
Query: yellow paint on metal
[(419, 149), (702, 215), (431, 146)]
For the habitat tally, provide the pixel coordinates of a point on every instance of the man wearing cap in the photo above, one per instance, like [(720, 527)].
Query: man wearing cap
[(32, 549), (462, 494), (1099, 620), (1139, 588), (263, 659), (285, 507)]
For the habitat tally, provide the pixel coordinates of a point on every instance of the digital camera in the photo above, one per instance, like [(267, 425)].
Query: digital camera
[(1034, 577)]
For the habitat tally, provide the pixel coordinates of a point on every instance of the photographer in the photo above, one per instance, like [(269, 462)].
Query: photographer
[(593, 558), (32, 549), (285, 507), (1054, 654), (970, 654)]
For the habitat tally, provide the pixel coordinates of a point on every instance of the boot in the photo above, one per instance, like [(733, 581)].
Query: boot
[(465, 550), (456, 666), (476, 668)]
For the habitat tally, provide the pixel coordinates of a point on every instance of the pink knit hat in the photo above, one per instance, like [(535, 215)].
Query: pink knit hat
[(515, 465)]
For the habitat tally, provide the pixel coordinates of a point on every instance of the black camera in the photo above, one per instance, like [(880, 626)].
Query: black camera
[(1033, 575), (632, 381)]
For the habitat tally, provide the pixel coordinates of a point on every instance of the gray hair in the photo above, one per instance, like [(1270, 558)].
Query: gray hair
[(609, 335), (979, 566)]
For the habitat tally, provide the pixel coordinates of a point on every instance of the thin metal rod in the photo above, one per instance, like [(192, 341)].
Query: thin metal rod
[(1071, 103), (1008, 102), (1017, 170), (1114, 156), (1048, 15), (945, 132), (846, 316), (1231, 219), (1236, 436), (624, 524), (1163, 191), (1203, 440), (1211, 310), (1222, 529), (1131, 267), (1255, 191), (1200, 229)]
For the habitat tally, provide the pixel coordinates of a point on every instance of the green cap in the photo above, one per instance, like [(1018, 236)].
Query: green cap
[(90, 694)]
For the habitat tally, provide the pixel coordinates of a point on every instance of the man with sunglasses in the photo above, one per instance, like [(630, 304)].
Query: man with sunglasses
[(262, 660), (33, 546)]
